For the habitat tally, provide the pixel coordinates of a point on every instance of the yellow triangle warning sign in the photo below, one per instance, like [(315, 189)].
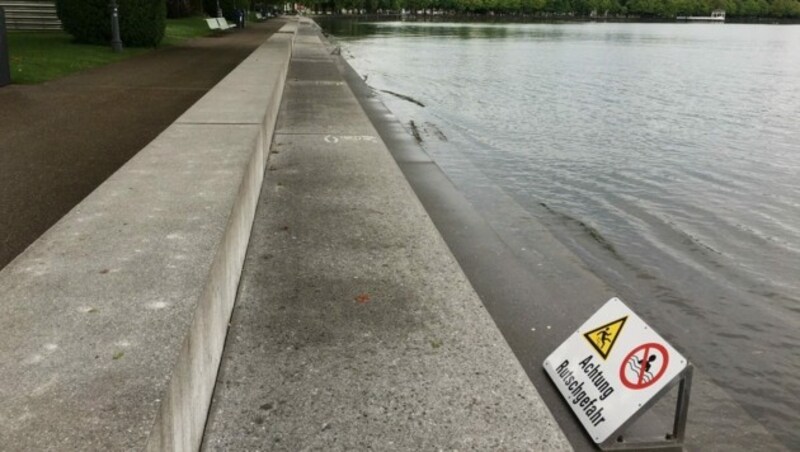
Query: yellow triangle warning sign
[(603, 337)]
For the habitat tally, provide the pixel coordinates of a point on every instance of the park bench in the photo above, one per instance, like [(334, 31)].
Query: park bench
[(219, 23), (224, 25), (262, 17)]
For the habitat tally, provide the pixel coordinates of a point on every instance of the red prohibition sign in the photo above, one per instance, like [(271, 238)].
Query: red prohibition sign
[(640, 366)]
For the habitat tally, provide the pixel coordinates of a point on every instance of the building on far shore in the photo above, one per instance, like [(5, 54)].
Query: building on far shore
[(718, 15)]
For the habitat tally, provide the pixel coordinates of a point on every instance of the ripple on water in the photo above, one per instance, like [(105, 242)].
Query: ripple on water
[(684, 164)]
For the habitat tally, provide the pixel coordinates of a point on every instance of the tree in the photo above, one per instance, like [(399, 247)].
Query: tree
[(179, 8), (228, 7), (642, 8), (785, 8), (141, 22)]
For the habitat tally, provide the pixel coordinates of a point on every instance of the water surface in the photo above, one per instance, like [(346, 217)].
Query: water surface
[(670, 153)]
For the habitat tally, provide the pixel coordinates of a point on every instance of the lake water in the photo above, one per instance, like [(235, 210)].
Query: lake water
[(670, 153)]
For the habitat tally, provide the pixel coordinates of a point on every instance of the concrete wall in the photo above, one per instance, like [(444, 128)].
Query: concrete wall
[(112, 324)]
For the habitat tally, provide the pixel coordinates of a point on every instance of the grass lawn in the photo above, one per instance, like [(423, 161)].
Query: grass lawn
[(181, 29), (40, 56)]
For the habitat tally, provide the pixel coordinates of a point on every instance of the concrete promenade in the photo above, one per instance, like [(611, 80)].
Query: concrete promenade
[(354, 328)]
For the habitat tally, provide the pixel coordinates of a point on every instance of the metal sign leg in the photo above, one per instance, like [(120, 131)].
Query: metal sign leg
[(671, 440), (682, 407)]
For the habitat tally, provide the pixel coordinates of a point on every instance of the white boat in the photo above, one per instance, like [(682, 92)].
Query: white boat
[(718, 15)]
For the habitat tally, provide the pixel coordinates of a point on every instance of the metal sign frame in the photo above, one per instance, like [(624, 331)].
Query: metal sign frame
[(616, 441)]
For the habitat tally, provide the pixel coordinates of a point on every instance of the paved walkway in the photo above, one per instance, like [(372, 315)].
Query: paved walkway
[(61, 139), (354, 327)]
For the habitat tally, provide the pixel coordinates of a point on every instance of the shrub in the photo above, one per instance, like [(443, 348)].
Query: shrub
[(141, 22), (183, 8), (178, 8), (228, 7)]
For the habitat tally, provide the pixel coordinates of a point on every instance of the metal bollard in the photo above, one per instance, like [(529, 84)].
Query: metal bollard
[(5, 69)]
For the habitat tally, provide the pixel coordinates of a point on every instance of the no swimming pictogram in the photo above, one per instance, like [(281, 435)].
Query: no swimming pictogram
[(644, 366)]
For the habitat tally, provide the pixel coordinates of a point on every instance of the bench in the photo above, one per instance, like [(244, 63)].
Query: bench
[(224, 25), (219, 23), (261, 17), (212, 23)]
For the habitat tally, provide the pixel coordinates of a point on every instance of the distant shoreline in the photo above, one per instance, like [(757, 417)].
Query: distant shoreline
[(552, 18)]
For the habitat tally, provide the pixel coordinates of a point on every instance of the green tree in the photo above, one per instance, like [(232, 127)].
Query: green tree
[(228, 7), (749, 8), (646, 8), (533, 6), (785, 8), (179, 8), (142, 22)]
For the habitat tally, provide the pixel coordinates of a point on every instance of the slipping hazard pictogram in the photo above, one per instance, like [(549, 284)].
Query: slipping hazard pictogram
[(604, 337)]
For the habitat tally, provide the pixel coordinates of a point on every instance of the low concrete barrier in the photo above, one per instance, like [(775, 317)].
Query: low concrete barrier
[(112, 324)]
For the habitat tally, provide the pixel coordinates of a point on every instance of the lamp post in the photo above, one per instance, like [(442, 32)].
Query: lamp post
[(116, 42), (219, 10)]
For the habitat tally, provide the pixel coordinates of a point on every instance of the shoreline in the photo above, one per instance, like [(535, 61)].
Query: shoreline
[(535, 19), (519, 293)]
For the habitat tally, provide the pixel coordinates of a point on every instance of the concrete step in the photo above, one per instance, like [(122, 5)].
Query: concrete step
[(45, 7), (36, 27), (21, 12), (31, 15), (32, 21), (354, 328)]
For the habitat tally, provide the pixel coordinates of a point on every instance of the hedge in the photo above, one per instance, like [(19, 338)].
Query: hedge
[(228, 7), (141, 22), (183, 8)]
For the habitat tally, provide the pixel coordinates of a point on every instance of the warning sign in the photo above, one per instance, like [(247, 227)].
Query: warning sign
[(603, 338), (611, 367)]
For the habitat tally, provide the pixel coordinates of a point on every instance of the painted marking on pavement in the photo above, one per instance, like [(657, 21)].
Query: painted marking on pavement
[(335, 139)]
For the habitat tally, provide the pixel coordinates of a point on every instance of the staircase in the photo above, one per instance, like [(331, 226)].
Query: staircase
[(31, 14)]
